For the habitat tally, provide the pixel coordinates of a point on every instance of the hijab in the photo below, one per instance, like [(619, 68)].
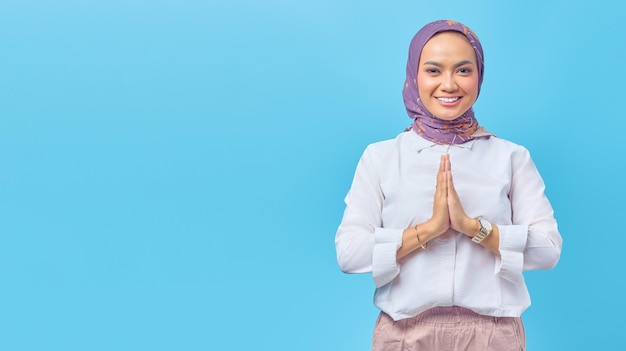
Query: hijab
[(425, 124)]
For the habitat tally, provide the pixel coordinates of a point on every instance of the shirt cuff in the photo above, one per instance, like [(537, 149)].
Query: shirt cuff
[(384, 264), (512, 244)]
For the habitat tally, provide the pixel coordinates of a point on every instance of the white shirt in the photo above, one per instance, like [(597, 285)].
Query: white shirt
[(393, 189)]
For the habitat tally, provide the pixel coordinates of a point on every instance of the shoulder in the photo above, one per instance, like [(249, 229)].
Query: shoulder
[(503, 145), (381, 150), (505, 152)]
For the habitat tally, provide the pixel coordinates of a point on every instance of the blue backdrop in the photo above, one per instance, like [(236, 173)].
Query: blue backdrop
[(172, 172)]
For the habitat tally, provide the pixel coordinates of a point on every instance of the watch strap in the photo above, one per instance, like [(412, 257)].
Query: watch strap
[(483, 232)]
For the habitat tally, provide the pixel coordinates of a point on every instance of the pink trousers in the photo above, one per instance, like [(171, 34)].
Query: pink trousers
[(449, 329)]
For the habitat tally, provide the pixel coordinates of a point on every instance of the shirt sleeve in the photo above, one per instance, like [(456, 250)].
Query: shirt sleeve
[(532, 241), (362, 244)]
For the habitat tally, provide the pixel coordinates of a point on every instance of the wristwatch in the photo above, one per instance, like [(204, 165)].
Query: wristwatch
[(484, 229)]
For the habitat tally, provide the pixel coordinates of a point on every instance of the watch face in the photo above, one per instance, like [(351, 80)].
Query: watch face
[(485, 223)]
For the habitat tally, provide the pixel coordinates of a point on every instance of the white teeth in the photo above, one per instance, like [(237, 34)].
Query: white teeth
[(444, 99)]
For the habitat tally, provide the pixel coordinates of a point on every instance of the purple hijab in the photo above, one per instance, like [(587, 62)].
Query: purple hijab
[(426, 124)]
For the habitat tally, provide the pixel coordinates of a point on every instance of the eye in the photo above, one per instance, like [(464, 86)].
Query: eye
[(465, 70), (432, 70)]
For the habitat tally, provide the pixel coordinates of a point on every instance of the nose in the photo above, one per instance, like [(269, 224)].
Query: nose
[(448, 83)]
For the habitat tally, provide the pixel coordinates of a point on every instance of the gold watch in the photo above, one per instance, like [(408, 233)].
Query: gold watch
[(484, 229)]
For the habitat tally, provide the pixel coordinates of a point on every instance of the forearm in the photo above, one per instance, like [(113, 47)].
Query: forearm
[(415, 238), (490, 242)]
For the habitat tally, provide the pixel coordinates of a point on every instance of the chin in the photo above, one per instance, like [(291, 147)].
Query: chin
[(448, 117)]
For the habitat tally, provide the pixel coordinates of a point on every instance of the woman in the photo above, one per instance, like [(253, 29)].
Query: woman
[(447, 216)]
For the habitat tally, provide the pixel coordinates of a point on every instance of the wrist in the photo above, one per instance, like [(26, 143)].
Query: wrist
[(484, 230), (471, 227), (429, 230)]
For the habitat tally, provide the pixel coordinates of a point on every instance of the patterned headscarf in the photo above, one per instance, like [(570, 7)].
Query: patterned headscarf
[(426, 124)]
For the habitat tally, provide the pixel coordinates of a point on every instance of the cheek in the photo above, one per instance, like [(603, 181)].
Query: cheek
[(424, 85), (422, 80), (470, 86)]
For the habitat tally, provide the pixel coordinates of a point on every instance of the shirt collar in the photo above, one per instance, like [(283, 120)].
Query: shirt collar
[(421, 143)]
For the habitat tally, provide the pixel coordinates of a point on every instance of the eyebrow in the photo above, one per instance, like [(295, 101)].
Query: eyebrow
[(440, 65)]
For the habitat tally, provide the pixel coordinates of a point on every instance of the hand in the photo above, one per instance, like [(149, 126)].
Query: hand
[(447, 213), (459, 221), (440, 221)]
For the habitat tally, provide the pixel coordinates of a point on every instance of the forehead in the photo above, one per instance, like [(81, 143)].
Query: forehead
[(446, 44)]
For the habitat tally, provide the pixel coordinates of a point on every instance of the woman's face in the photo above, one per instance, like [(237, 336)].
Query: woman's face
[(447, 75)]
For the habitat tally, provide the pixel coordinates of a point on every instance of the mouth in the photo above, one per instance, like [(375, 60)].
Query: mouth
[(449, 100)]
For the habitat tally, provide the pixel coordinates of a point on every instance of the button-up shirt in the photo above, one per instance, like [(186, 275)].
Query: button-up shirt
[(393, 188)]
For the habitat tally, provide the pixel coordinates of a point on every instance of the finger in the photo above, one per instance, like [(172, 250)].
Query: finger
[(442, 184), (453, 196), (440, 173), (450, 182)]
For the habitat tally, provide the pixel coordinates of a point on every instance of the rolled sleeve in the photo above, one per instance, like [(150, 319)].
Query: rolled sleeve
[(513, 238), (384, 264)]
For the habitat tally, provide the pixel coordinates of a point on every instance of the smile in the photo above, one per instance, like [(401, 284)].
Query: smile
[(448, 99)]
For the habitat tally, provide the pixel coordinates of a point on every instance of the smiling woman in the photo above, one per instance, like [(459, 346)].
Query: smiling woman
[(448, 75), (447, 216)]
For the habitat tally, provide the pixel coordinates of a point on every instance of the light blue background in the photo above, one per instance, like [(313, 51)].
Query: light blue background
[(172, 172)]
